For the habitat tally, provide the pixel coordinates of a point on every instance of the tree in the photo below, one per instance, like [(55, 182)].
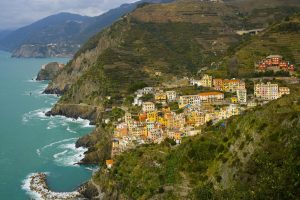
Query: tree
[(233, 68)]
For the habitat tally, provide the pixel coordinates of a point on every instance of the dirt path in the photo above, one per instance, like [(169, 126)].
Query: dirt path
[(100, 194)]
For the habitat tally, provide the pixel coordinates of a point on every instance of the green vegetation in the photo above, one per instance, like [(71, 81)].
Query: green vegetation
[(147, 97), (271, 74), (280, 38), (116, 114), (235, 159), (130, 52)]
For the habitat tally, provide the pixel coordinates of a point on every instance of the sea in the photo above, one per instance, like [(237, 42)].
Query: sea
[(30, 142)]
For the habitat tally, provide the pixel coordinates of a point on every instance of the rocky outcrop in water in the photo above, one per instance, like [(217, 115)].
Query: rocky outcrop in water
[(75, 111), (38, 185), (49, 71)]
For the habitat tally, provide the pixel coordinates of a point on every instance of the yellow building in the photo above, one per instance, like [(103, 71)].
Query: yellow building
[(206, 81), (162, 121), (152, 116), (233, 85), (196, 118), (234, 100), (160, 97)]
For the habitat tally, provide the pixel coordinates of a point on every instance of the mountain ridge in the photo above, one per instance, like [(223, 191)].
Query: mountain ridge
[(63, 31)]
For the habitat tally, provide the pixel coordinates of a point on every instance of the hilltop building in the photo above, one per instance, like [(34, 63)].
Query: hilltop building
[(274, 63)]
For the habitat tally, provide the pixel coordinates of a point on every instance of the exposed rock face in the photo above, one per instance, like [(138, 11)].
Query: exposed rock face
[(75, 111), (80, 64), (99, 144), (43, 51), (49, 71), (89, 191), (100, 137)]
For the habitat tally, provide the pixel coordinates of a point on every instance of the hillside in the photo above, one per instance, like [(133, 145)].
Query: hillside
[(61, 35), (253, 156), (56, 30), (176, 39), (236, 159), (282, 38), (114, 63)]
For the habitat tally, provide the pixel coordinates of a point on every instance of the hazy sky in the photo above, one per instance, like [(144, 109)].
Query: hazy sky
[(17, 13)]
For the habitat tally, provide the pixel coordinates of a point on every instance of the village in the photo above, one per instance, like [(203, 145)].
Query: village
[(170, 115)]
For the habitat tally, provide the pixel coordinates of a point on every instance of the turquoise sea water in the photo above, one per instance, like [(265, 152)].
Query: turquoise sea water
[(31, 142)]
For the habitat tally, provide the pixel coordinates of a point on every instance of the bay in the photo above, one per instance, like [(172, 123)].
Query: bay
[(30, 142)]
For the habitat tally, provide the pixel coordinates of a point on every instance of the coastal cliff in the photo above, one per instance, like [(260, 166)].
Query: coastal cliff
[(49, 71), (107, 70)]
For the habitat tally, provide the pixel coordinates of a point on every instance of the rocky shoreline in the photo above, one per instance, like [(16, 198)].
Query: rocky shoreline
[(38, 185), (98, 137)]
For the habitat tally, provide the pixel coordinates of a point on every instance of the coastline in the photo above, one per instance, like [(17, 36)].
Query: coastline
[(36, 184)]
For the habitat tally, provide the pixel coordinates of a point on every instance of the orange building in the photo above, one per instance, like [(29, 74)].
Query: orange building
[(218, 84)]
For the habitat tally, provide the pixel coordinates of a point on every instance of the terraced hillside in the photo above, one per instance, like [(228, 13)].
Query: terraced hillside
[(253, 156), (282, 38), (176, 39)]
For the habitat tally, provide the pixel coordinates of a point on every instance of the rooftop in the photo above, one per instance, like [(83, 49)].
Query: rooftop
[(210, 93)]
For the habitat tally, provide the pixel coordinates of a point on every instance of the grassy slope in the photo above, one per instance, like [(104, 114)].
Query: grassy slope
[(281, 38), (176, 39), (255, 157)]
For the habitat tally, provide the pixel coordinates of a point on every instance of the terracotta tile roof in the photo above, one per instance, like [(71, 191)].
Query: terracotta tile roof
[(109, 162), (210, 93)]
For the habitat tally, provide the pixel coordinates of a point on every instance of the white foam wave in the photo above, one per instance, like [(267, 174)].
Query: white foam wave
[(93, 169), (58, 142), (70, 156), (54, 121), (60, 154), (38, 152), (32, 80), (35, 114), (70, 130)]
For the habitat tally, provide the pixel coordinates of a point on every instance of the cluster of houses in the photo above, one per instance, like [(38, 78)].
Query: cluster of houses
[(269, 91), (274, 63), (236, 86), (154, 124)]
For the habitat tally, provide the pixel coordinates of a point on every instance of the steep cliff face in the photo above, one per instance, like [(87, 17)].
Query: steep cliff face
[(49, 71), (82, 62)]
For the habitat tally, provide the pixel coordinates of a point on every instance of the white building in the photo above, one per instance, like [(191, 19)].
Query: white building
[(206, 81), (171, 96), (148, 90), (148, 107), (267, 91), (241, 95), (191, 100), (211, 97)]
